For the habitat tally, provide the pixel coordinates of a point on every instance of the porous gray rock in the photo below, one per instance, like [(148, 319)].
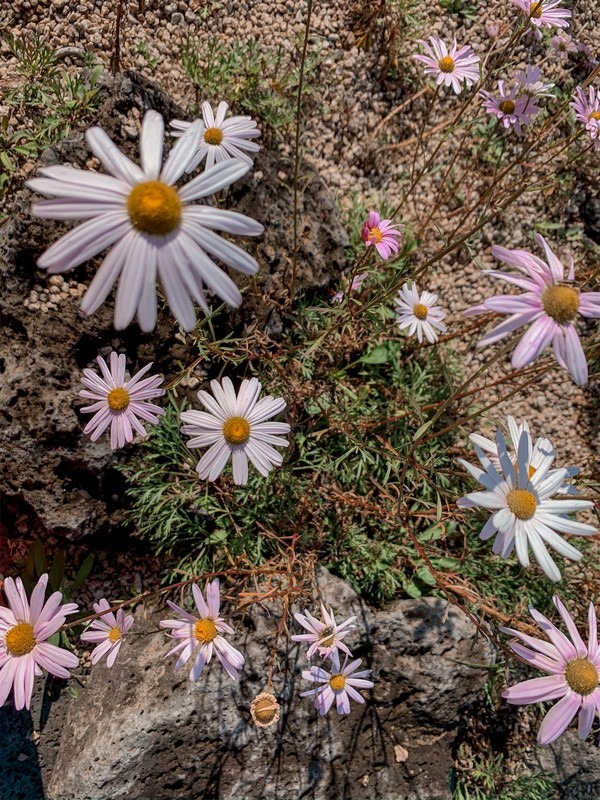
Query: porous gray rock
[(142, 730), (55, 480), (574, 764)]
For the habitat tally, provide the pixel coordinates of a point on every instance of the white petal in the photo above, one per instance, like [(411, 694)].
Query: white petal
[(151, 144), (214, 179), (112, 158)]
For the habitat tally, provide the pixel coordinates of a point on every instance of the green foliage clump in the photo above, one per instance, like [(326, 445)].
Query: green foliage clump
[(489, 779), (354, 411), (261, 83), (51, 100)]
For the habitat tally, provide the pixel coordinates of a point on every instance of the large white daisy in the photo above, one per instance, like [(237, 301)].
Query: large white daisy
[(236, 426), (221, 138), (524, 512), (155, 229)]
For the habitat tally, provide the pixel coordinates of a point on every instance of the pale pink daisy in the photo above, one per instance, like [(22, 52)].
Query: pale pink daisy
[(587, 111), (419, 313), (545, 13), (340, 685), (382, 233), (221, 138), (572, 669), (155, 228), (524, 511), (512, 110), (326, 636), (451, 67), (201, 636), (531, 83), (120, 403), (107, 632), (25, 627), (357, 282), (541, 448), (550, 305), (563, 44), (588, 54), (236, 425)]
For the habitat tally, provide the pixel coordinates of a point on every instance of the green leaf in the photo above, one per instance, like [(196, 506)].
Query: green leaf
[(424, 574), (412, 590), (378, 355), (84, 571), (39, 557), (421, 429), (57, 571)]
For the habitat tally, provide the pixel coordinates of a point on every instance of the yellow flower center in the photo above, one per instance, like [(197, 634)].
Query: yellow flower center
[(420, 311), (561, 303), (446, 64), (205, 630), (532, 471), (154, 208), (118, 399), (114, 635), (375, 235), (236, 430), (213, 136), (522, 503), (506, 106), (594, 115), (337, 682), (537, 10), (20, 639), (582, 676)]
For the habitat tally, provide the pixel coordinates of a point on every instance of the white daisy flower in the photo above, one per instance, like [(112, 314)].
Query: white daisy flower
[(221, 138), (340, 685), (325, 636), (155, 229), (236, 426), (543, 447), (524, 512), (419, 314)]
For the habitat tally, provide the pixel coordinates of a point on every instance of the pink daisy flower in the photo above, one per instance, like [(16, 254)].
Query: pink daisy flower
[(221, 138), (340, 685), (549, 305), (572, 673), (453, 67), (325, 635), (200, 636), (531, 83), (119, 403), (563, 44), (587, 111), (357, 282), (545, 13), (25, 627), (107, 632), (382, 233), (513, 110)]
